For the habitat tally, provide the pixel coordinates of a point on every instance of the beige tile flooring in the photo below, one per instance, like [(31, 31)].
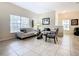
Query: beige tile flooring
[(68, 45)]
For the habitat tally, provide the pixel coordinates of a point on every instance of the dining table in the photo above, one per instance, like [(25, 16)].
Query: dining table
[(45, 33)]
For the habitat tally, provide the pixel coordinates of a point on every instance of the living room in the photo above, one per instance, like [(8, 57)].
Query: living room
[(39, 15)]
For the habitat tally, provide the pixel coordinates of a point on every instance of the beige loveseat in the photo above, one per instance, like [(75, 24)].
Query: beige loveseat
[(25, 32)]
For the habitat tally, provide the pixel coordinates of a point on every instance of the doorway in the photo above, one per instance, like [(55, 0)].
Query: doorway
[(66, 25)]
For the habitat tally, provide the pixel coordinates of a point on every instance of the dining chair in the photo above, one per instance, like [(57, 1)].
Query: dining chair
[(53, 35)]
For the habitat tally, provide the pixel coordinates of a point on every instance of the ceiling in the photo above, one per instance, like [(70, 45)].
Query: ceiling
[(41, 7)]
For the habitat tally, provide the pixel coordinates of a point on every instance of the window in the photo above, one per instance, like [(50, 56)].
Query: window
[(66, 24), (24, 22), (17, 22)]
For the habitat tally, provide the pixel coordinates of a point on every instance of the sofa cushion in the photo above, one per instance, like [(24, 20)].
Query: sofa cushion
[(29, 29), (23, 30)]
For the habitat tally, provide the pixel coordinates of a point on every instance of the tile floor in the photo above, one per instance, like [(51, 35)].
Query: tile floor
[(68, 45)]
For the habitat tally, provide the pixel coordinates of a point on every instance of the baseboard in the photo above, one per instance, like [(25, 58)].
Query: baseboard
[(6, 38)]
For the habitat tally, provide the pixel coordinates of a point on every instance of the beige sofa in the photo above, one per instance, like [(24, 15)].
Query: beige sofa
[(25, 32)]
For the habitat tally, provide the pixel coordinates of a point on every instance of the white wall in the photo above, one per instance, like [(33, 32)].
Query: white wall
[(5, 10)]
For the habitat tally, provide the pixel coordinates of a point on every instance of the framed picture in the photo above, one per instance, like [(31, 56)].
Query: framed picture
[(46, 21), (74, 22)]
